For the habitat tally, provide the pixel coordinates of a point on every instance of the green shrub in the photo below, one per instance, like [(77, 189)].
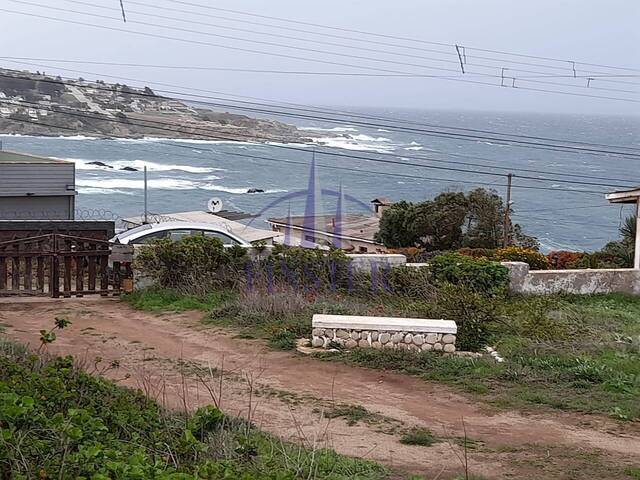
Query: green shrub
[(410, 282), (479, 275), (475, 315), (536, 260), (59, 422), (192, 264)]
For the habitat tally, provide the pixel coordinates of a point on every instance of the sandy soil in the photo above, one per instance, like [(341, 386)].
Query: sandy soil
[(285, 394)]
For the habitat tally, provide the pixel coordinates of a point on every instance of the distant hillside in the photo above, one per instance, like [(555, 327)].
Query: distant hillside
[(40, 104)]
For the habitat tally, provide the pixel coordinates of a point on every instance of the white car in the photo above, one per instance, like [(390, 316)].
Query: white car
[(145, 234)]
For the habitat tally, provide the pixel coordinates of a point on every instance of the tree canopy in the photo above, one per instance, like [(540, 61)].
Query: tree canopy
[(449, 221)]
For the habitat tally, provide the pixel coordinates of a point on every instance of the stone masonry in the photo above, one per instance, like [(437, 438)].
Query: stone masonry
[(383, 333)]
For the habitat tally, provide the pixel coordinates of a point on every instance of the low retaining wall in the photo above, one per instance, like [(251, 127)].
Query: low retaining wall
[(366, 262), (413, 334), (587, 281)]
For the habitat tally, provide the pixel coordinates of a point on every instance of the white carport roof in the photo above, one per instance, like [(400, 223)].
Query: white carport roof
[(248, 233)]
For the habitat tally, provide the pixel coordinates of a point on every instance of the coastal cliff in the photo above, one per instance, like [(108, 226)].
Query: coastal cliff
[(45, 105)]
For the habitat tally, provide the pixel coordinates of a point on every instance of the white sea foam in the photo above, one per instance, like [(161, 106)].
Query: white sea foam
[(334, 129), (117, 165), (237, 190), (414, 148), (159, 183), (362, 143), (366, 138), (103, 191)]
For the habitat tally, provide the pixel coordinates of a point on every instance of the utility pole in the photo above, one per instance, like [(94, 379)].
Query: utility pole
[(507, 224), (146, 204)]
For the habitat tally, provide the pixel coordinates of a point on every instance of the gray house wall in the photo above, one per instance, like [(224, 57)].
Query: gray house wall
[(37, 190), (37, 208)]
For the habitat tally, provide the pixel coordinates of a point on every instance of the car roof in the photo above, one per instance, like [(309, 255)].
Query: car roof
[(158, 227)]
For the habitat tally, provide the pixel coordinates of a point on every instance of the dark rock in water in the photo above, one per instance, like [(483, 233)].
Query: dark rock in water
[(99, 164), (129, 169), (255, 190)]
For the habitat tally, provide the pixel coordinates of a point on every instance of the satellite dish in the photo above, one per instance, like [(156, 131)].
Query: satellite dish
[(214, 205)]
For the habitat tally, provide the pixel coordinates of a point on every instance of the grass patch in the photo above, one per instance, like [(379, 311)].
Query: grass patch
[(567, 352), (58, 421), (352, 414), (579, 353), (419, 436), (633, 472), (168, 300)]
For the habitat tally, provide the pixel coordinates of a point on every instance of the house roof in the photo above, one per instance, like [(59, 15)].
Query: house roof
[(352, 225), (381, 201), (13, 157), (625, 196), (246, 232)]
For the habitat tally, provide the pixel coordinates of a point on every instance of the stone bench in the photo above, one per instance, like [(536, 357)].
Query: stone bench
[(414, 334)]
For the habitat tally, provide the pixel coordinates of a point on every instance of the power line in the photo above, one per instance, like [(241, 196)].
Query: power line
[(435, 133), (562, 180), (356, 170), (396, 37), (306, 49), (283, 55), (288, 72), (332, 111), (371, 41), (409, 156), (172, 128), (342, 45)]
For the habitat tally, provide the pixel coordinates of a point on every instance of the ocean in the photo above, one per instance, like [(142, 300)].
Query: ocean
[(185, 174)]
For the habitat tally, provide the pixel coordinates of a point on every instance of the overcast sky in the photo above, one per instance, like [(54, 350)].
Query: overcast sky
[(601, 32)]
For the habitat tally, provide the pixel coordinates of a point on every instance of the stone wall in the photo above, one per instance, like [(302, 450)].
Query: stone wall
[(587, 281), (365, 262), (383, 333)]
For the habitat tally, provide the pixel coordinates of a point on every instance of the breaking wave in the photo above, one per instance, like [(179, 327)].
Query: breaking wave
[(116, 166)]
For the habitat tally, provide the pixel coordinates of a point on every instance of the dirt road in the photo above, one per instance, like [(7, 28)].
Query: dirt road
[(286, 394)]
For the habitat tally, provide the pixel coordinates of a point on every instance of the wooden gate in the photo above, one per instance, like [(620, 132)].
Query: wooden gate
[(58, 265)]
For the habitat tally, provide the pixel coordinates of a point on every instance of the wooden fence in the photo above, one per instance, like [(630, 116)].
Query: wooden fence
[(58, 265)]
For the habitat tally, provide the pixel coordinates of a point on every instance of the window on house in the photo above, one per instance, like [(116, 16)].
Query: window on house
[(362, 249)]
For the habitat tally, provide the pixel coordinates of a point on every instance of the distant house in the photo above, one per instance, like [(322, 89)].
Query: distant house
[(36, 188), (3, 95), (354, 232), (380, 204), (5, 112)]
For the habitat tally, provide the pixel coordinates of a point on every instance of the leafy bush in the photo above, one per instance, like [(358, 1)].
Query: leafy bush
[(410, 282), (562, 259), (479, 275), (302, 269), (59, 422), (477, 252), (536, 260), (192, 263), (475, 315)]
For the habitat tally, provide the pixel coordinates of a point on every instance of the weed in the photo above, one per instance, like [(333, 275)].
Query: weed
[(351, 413), (419, 436)]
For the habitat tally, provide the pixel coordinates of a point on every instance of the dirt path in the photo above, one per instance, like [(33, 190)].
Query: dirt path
[(286, 394)]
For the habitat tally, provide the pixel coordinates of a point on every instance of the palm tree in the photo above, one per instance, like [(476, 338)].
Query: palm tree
[(628, 230)]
